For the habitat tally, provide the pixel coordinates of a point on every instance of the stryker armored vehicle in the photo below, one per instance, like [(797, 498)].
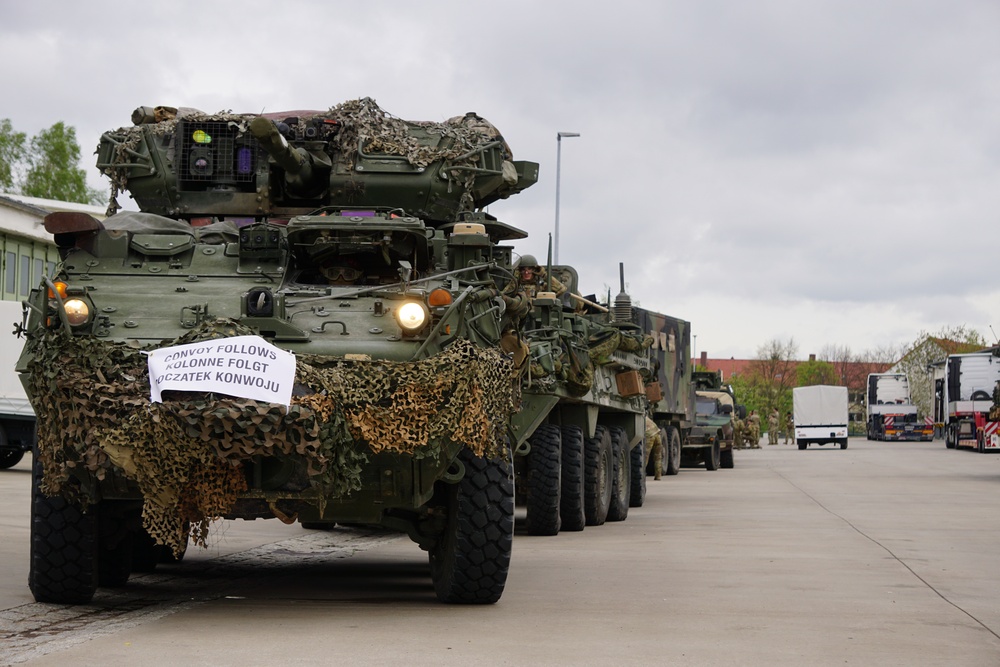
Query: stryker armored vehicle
[(347, 245), (594, 372), (711, 439)]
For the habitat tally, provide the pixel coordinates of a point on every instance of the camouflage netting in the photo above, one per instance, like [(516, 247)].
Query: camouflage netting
[(187, 453), (361, 122)]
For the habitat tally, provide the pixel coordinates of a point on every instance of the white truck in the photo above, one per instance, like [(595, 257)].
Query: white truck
[(966, 397), (17, 420), (820, 415), (891, 414)]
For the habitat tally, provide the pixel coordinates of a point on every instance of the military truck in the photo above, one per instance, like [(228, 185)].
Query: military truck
[(711, 439), (581, 458), (347, 245)]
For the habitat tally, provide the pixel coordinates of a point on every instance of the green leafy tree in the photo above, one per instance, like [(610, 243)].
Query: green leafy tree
[(815, 372), (12, 154), (771, 377), (53, 172)]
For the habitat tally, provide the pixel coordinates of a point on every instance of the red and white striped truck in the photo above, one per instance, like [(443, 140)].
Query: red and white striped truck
[(891, 413)]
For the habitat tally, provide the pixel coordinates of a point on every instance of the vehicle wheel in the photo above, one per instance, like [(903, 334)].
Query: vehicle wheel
[(712, 456), (599, 467), (571, 503), (802, 445), (10, 458), (470, 560), (544, 485), (114, 554), (843, 443), (637, 493), (672, 450), (949, 436), (726, 458), (621, 477), (63, 550)]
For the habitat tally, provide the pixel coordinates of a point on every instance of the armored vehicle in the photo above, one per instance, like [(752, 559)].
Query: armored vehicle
[(346, 245), (580, 453), (711, 439)]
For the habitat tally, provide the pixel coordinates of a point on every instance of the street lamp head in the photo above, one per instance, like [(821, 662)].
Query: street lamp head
[(560, 135)]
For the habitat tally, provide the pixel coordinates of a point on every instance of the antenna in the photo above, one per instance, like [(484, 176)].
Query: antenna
[(995, 339), (548, 268)]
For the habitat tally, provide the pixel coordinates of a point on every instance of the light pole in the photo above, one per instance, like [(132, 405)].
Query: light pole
[(694, 353), (559, 138)]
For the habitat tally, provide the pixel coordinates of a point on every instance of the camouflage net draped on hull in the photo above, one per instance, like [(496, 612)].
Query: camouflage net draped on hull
[(187, 454)]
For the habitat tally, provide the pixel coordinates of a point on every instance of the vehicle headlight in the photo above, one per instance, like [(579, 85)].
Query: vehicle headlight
[(411, 316), (77, 311)]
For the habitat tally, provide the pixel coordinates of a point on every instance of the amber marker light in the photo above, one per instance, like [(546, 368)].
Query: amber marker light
[(439, 297), (60, 288), (77, 311)]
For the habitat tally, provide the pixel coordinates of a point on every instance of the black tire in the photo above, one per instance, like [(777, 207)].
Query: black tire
[(63, 550), (470, 561), (843, 443), (712, 456), (599, 467), (571, 502), (802, 445), (672, 452), (10, 458), (115, 539), (621, 490), (949, 436), (637, 493), (726, 458), (544, 480)]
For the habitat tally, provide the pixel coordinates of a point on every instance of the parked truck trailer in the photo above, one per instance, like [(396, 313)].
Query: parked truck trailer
[(891, 414), (966, 398)]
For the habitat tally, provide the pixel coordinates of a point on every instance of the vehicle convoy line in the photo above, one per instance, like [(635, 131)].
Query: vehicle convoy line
[(888, 551), (33, 630)]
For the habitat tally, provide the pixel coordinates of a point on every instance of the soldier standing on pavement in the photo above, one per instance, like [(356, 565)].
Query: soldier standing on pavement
[(737, 432), (654, 448), (789, 427), (754, 429), (772, 427)]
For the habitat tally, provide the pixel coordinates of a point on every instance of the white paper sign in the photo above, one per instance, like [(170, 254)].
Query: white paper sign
[(244, 366)]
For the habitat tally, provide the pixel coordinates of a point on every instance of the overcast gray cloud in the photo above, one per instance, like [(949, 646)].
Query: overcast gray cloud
[(826, 171)]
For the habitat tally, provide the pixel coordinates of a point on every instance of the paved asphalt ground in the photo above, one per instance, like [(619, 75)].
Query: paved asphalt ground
[(880, 554)]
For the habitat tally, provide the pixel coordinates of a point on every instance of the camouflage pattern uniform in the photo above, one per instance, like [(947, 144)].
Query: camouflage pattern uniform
[(738, 430), (754, 429), (654, 447), (772, 427), (789, 428)]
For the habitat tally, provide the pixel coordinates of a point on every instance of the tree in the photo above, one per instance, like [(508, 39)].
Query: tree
[(771, 376), (12, 154), (815, 372), (931, 348), (52, 171)]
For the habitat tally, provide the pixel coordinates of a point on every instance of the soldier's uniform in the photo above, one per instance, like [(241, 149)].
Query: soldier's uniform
[(772, 427), (654, 447), (737, 432), (754, 429), (789, 428)]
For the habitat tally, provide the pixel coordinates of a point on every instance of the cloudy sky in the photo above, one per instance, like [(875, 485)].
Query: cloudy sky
[(826, 171)]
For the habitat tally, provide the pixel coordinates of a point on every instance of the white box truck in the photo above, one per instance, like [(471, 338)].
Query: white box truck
[(820, 415)]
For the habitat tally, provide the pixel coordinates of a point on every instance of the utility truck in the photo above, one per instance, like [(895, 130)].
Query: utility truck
[(820, 414), (966, 399), (891, 414)]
